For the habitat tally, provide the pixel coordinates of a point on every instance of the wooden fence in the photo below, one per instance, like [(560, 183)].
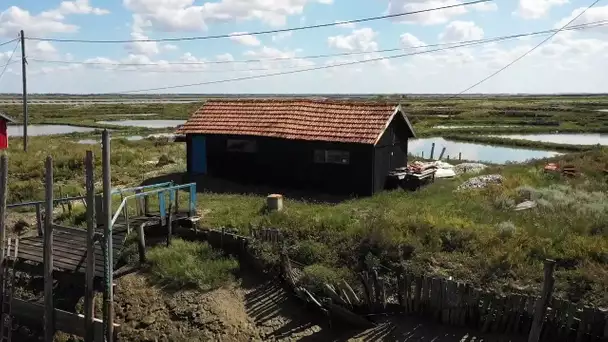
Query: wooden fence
[(446, 301)]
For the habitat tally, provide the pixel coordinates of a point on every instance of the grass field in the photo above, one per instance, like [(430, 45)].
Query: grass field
[(471, 235)]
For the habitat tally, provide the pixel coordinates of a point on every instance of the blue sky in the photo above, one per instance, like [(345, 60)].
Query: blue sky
[(570, 62)]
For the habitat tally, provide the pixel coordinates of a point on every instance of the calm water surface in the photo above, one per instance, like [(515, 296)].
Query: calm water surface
[(474, 151), (145, 123), (37, 130)]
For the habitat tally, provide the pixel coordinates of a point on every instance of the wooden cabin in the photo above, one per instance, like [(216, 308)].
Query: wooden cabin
[(334, 146)]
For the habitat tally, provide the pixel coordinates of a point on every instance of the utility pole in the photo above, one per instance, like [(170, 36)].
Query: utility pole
[(24, 77)]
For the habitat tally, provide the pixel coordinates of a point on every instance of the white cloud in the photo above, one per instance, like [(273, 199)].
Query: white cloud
[(362, 39), (276, 58), (245, 39), (281, 36), (183, 15), (460, 31), (592, 15), (142, 48), (14, 19), (535, 9), (425, 18), (73, 7), (408, 40)]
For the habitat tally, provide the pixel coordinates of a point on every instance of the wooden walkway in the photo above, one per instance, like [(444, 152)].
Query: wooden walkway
[(70, 249)]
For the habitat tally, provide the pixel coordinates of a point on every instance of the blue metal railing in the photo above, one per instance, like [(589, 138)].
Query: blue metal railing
[(161, 197)]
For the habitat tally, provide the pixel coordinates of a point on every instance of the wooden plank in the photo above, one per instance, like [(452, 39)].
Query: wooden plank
[(424, 299), (67, 322), (519, 314), (89, 292), (499, 313), (606, 326), (541, 308), (3, 210), (463, 303), (582, 327), (445, 307), (417, 293), (488, 316), (49, 319), (450, 300), (407, 293)]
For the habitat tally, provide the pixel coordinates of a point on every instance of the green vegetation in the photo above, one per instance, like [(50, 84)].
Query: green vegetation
[(472, 235), (132, 163), (190, 264)]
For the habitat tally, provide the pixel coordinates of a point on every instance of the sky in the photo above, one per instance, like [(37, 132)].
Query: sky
[(572, 61)]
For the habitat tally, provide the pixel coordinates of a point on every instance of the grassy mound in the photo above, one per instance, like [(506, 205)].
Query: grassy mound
[(190, 264)]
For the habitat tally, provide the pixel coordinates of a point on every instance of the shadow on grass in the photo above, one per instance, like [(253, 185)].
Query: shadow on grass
[(225, 186)]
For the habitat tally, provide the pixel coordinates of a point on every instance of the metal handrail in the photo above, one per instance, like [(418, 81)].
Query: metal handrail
[(78, 198), (141, 187), (120, 208)]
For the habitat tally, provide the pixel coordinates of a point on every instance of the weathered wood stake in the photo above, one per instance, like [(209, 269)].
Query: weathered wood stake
[(141, 243), (89, 294), (432, 150), (49, 326), (170, 225), (108, 308), (541, 305), (3, 196), (39, 219)]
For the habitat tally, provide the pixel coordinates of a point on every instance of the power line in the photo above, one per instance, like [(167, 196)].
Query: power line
[(9, 60), (320, 56), (10, 41), (299, 70), (311, 69), (527, 52), (300, 28), (157, 70)]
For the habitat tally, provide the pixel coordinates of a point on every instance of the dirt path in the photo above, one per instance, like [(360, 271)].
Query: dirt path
[(249, 311)]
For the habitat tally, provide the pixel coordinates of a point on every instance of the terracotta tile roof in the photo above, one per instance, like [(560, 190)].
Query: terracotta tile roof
[(302, 119)]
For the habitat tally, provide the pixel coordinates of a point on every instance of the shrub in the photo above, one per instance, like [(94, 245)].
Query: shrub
[(190, 264), (311, 252), (506, 229), (316, 276)]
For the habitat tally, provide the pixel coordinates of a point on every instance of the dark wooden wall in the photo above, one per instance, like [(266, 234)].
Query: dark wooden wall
[(391, 151), (290, 163)]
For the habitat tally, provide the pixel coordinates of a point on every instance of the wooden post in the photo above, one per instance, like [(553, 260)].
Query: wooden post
[(49, 326), (432, 150), (541, 305), (3, 196), (24, 84), (169, 225), (39, 219), (441, 154), (141, 243), (459, 155), (108, 308), (146, 205), (89, 294)]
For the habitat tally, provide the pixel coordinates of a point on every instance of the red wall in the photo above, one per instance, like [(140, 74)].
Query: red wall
[(3, 135)]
